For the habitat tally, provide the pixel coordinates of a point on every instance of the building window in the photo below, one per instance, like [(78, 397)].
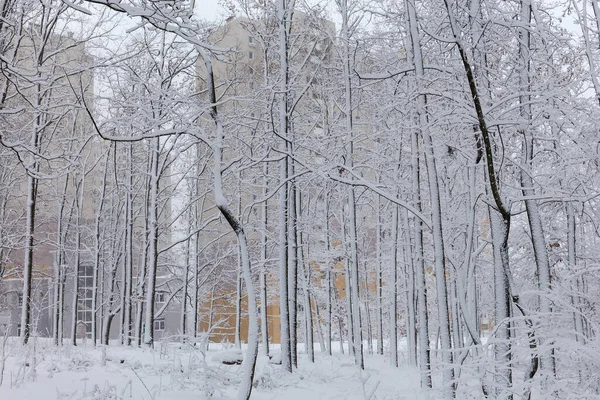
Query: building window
[(250, 40), (161, 297), (159, 324), (86, 290), (19, 330), (250, 55), (20, 299)]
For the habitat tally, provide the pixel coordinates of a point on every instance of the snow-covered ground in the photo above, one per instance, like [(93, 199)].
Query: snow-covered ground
[(181, 372)]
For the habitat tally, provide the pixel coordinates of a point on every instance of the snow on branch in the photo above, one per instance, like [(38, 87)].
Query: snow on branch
[(169, 16)]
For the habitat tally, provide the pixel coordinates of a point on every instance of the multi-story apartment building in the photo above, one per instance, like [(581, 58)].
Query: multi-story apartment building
[(54, 128), (70, 157), (246, 79)]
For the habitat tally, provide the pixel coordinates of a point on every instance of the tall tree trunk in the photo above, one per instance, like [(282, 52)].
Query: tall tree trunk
[(379, 279), (153, 253), (198, 208), (322, 344), (394, 291), (533, 214), (500, 221), (367, 311), (304, 270), (32, 190), (143, 271), (97, 251), (58, 260), (348, 295), (186, 273), (128, 284), (330, 266), (436, 210), (111, 312), (502, 349), (249, 362), (292, 262), (283, 16), (238, 292), (572, 257), (79, 192), (353, 290), (411, 315), (263, 260), (424, 346)]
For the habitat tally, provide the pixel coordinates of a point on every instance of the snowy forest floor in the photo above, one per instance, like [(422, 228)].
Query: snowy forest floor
[(175, 371)]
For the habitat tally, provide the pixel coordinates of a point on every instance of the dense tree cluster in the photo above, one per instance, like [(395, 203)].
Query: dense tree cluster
[(416, 170)]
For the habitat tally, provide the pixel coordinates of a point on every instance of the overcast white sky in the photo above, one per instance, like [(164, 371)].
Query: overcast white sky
[(212, 10), (209, 9)]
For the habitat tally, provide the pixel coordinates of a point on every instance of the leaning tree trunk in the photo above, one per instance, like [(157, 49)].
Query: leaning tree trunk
[(500, 219), (249, 362)]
